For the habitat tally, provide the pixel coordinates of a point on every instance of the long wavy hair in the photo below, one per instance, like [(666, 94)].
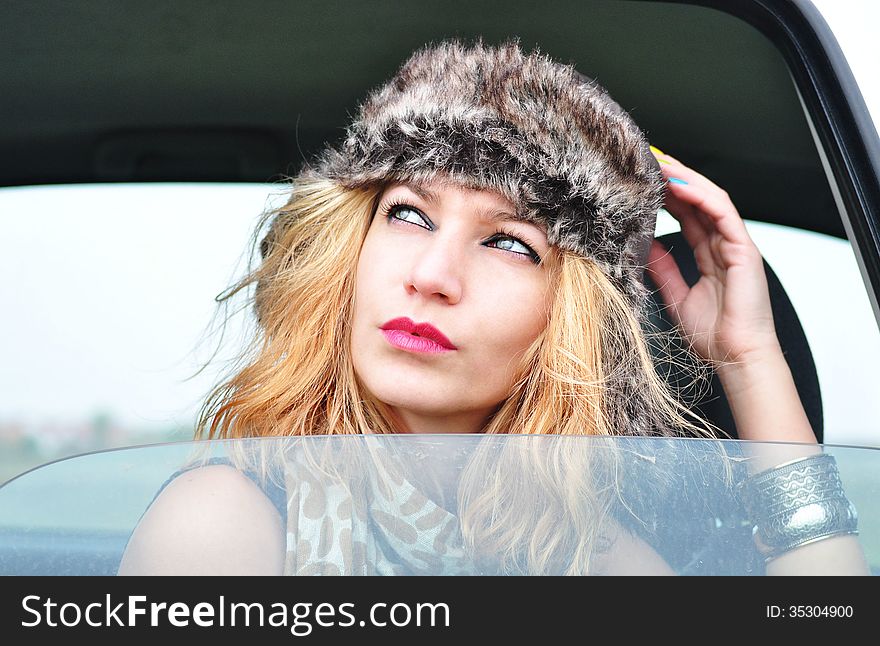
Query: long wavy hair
[(297, 378)]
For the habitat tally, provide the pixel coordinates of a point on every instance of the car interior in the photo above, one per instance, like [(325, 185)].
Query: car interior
[(186, 92), (170, 92)]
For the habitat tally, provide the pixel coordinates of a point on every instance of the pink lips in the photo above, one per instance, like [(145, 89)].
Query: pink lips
[(403, 333)]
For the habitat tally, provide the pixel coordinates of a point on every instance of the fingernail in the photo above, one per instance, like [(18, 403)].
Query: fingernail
[(657, 151), (675, 180), (663, 161)]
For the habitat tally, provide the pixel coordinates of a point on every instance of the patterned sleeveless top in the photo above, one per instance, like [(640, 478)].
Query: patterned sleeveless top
[(383, 526)]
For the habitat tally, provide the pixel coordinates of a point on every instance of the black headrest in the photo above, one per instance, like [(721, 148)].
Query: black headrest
[(712, 405)]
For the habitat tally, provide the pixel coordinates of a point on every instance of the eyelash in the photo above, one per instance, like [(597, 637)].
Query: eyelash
[(390, 208)]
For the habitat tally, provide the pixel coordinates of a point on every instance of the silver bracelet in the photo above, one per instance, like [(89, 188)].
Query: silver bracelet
[(798, 503)]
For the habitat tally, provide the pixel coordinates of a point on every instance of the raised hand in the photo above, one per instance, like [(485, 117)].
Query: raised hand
[(726, 315)]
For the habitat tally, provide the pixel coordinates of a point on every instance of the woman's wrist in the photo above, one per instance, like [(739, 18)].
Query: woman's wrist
[(797, 504), (764, 399), (751, 367)]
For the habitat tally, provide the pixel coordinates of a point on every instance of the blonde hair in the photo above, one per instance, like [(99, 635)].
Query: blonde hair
[(297, 377)]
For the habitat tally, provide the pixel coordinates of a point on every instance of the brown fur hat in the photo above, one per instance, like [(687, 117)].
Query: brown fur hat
[(536, 131)]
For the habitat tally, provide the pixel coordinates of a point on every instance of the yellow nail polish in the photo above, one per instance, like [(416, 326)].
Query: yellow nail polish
[(663, 161), (657, 151)]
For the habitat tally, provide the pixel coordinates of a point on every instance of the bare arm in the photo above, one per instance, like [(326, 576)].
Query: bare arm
[(728, 320), (629, 555), (766, 406), (208, 521)]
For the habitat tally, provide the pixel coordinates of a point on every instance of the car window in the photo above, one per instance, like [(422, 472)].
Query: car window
[(680, 497), (108, 292)]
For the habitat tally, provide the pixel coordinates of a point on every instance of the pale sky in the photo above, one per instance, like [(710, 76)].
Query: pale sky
[(855, 24)]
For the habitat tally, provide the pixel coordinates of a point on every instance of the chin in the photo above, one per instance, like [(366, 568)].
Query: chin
[(418, 400), (403, 390)]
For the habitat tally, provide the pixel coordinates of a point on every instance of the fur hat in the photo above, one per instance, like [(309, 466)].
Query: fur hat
[(538, 132)]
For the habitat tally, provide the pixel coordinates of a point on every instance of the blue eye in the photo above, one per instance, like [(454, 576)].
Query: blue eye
[(409, 214), (513, 245), (500, 240)]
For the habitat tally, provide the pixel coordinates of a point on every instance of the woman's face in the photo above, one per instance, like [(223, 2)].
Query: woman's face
[(454, 259)]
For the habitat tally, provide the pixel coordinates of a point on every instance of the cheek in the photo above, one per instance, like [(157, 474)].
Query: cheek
[(370, 269), (514, 315), (373, 285)]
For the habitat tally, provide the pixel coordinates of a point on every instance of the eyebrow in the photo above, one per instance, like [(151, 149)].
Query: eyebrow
[(489, 215)]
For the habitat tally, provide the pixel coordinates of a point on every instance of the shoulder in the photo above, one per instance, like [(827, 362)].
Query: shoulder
[(208, 520), (629, 555)]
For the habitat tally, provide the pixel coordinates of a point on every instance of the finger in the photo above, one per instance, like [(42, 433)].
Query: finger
[(690, 187), (695, 226), (719, 212), (667, 276), (674, 168), (714, 208), (674, 204), (678, 174)]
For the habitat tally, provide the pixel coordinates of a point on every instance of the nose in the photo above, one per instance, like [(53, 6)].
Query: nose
[(437, 271)]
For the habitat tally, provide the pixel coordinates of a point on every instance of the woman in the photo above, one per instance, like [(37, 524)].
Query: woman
[(470, 261)]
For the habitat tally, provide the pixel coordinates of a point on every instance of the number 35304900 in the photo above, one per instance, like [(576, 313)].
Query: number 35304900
[(805, 612)]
